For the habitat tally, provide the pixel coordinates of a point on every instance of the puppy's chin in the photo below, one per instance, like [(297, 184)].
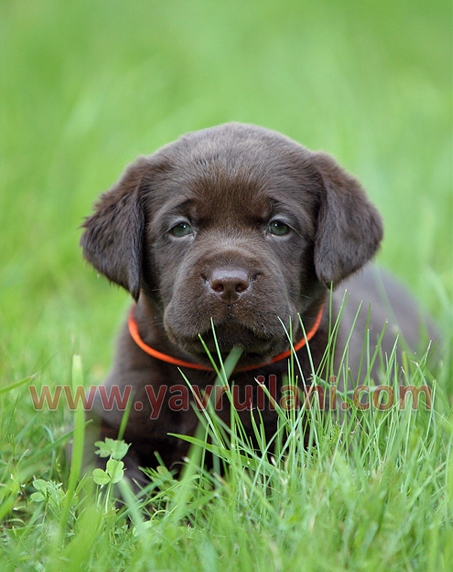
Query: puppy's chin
[(224, 339)]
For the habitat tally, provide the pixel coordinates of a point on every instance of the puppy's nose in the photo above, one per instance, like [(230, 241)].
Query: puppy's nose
[(229, 283)]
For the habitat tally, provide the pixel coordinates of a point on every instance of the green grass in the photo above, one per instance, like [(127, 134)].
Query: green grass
[(87, 86)]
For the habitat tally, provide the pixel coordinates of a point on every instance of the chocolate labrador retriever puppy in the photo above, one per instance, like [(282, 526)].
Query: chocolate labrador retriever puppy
[(235, 235)]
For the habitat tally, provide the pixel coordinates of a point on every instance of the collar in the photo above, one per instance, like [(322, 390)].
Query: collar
[(133, 330)]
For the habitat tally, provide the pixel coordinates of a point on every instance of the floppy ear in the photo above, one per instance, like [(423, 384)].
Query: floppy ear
[(114, 234), (349, 227)]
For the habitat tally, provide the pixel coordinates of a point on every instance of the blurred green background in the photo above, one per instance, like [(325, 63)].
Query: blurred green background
[(87, 86)]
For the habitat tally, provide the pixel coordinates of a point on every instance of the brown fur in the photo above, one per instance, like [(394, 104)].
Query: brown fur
[(229, 183)]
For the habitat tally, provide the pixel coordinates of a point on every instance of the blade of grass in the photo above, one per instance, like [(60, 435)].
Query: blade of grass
[(77, 445)]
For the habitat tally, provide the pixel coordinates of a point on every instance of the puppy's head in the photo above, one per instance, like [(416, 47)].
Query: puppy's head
[(236, 226)]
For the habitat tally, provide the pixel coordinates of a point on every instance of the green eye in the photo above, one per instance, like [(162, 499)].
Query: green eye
[(278, 228), (181, 229)]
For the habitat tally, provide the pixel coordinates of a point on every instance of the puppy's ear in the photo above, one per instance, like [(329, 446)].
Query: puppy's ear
[(349, 227), (114, 234)]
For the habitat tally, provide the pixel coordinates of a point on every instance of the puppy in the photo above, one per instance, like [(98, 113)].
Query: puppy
[(235, 236)]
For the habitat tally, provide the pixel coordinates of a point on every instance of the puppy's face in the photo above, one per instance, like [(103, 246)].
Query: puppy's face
[(232, 247), (234, 226)]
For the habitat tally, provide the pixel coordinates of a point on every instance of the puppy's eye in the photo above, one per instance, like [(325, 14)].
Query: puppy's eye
[(181, 229), (278, 228)]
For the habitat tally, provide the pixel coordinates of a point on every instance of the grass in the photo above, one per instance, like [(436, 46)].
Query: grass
[(85, 88)]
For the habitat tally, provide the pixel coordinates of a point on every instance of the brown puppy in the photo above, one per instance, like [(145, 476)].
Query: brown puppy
[(239, 227)]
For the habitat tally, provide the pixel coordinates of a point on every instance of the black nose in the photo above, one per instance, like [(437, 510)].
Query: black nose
[(229, 283)]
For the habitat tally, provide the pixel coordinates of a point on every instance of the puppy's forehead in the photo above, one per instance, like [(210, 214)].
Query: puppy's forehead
[(235, 168), (219, 193)]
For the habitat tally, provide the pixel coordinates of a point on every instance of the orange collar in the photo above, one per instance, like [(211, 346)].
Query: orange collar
[(133, 330)]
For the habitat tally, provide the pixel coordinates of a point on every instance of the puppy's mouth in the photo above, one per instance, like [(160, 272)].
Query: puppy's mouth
[(224, 341)]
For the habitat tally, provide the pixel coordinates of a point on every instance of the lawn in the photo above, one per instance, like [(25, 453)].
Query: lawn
[(87, 86)]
